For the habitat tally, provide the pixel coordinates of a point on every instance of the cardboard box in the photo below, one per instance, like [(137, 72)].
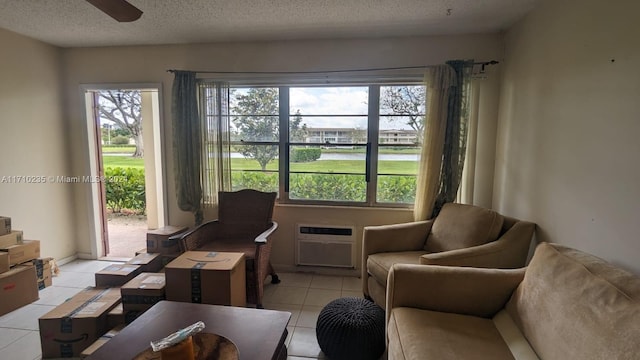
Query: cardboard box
[(21, 253), (4, 262), (118, 316), (115, 317), (5, 225), (43, 272), (149, 262), (17, 288), (207, 277), (116, 275), (101, 341), (12, 238), (75, 324), (158, 240), (167, 259), (144, 291)]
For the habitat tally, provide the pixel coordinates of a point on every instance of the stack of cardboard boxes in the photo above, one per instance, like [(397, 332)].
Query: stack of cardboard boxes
[(123, 292), (22, 272), (163, 241)]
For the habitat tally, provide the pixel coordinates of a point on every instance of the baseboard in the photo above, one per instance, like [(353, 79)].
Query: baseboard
[(85, 256), (66, 260)]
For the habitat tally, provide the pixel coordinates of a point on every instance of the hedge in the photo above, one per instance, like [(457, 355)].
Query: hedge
[(391, 189), (299, 155), (125, 189)]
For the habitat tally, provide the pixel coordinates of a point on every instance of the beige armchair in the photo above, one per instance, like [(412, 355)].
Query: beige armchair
[(566, 304), (461, 235)]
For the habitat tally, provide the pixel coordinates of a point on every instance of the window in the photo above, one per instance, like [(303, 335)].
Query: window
[(347, 145), (331, 165), (255, 136), (401, 124)]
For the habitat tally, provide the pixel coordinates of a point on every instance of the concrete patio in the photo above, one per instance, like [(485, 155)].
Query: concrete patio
[(127, 234)]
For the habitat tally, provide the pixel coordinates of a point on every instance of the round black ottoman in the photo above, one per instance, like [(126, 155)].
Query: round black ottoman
[(351, 329)]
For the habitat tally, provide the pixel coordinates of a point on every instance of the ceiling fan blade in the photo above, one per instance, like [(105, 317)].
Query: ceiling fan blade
[(120, 10)]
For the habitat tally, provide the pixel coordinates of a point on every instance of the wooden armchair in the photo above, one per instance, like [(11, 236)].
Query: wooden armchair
[(244, 224)]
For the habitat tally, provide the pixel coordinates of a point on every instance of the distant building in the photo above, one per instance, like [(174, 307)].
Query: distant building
[(352, 135), (398, 137)]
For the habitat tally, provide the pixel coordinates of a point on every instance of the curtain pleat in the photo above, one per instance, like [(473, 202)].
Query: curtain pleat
[(445, 137), (187, 143), (438, 81), (455, 142), (467, 183), (217, 140)]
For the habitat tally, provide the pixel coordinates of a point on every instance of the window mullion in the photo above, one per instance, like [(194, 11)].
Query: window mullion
[(372, 138), (283, 159)]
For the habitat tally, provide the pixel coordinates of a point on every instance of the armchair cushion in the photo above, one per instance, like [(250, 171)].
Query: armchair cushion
[(425, 334), (461, 226), (379, 264)]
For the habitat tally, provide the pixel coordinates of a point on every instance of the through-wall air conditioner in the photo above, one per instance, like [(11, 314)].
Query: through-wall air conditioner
[(325, 245)]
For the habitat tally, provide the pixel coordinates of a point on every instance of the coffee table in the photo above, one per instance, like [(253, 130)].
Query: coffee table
[(258, 334)]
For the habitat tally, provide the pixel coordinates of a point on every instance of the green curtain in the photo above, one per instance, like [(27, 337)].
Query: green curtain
[(455, 141), (187, 143)]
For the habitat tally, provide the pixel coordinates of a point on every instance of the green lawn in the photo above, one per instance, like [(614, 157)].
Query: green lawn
[(122, 161), (118, 149), (336, 166)]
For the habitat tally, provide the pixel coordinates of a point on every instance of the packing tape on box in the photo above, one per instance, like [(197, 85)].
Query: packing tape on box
[(141, 299), (196, 283), (66, 326)]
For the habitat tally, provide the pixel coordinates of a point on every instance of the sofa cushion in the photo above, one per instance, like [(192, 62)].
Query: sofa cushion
[(461, 226), (378, 265), (423, 334), (573, 305)]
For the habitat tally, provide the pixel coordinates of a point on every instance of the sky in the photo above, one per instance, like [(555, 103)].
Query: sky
[(336, 100), (339, 100)]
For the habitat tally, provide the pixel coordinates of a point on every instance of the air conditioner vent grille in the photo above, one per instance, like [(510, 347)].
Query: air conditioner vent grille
[(326, 230), (325, 245)]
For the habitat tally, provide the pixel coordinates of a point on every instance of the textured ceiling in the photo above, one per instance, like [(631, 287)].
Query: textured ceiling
[(76, 23)]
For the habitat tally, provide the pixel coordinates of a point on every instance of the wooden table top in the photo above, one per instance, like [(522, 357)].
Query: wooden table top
[(258, 334)]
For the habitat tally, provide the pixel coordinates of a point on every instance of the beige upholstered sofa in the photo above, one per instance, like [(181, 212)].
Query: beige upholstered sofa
[(565, 305), (461, 235)]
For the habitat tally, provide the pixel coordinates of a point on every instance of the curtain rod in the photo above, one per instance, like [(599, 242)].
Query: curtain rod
[(483, 64)]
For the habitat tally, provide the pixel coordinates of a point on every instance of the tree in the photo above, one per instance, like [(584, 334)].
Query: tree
[(298, 131), (124, 109), (408, 102), (255, 116)]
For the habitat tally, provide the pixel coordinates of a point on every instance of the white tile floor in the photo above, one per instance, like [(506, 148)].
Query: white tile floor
[(304, 295)]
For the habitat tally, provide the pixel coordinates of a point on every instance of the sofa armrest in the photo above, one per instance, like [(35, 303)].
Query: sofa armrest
[(508, 252), (262, 238), (396, 237), (463, 290)]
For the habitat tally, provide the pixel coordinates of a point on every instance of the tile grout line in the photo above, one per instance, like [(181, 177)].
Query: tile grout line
[(25, 335)]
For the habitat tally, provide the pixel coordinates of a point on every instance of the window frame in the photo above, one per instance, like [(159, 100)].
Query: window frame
[(372, 146)]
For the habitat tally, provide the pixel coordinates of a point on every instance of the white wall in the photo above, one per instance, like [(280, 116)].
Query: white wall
[(568, 149), (33, 142), (149, 64)]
